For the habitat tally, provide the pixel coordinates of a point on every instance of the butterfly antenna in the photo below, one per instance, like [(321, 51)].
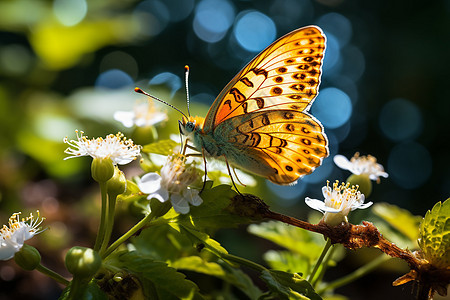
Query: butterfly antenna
[(186, 78), (138, 90)]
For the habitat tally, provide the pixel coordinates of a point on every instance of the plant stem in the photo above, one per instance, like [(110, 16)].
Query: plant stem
[(101, 229), (327, 258), (110, 221), (319, 260), (243, 261), (355, 274), (77, 289), (135, 229), (52, 274)]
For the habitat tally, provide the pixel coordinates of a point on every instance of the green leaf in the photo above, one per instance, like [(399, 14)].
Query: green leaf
[(166, 280), (287, 261), (288, 286), (197, 264), (163, 147), (92, 292), (198, 237), (162, 242), (132, 193), (229, 274), (401, 219), (434, 240), (213, 213), (293, 238), (76, 41)]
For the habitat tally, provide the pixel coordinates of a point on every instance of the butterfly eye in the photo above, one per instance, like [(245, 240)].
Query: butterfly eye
[(190, 126)]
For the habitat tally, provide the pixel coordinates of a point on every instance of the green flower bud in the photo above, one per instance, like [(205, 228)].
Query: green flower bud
[(117, 184), (144, 135), (102, 169), (83, 262), (363, 182), (28, 258)]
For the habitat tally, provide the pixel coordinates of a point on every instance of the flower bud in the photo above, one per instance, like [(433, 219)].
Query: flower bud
[(102, 169), (28, 258), (83, 262), (363, 182), (145, 135), (117, 184)]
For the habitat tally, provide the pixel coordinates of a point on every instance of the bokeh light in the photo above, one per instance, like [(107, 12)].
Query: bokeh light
[(204, 98), (153, 16), (400, 120), (288, 195), (169, 79), (331, 61), (409, 165), (332, 107), (179, 9), (120, 60), (333, 142), (337, 25), (70, 12), (15, 59), (254, 31), (71, 64), (342, 132), (113, 79), (285, 13), (321, 174), (212, 20), (354, 62)]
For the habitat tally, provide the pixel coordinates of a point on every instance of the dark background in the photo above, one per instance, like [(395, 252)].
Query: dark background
[(388, 58)]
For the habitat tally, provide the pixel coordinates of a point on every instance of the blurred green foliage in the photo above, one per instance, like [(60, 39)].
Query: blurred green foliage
[(48, 74)]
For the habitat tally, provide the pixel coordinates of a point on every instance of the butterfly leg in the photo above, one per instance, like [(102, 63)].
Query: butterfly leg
[(237, 178), (229, 173), (204, 160), (206, 171)]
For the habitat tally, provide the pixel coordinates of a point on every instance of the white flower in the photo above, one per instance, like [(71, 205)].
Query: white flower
[(143, 115), (361, 165), (115, 147), (13, 236), (338, 202), (173, 184)]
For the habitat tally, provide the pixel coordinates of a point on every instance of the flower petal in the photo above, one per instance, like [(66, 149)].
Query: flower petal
[(8, 248), (125, 117), (378, 174), (342, 162), (155, 118), (363, 205), (150, 183), (315, 204), (162, 195), (193, 197), (179, 204)]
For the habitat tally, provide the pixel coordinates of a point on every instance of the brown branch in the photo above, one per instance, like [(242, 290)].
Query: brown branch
[(429, 278)]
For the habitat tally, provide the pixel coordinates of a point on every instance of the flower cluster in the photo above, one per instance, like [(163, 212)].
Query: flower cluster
[(173, 183), (143, 115), (13, 236), (361, 165), (339, 201), (116, 147)]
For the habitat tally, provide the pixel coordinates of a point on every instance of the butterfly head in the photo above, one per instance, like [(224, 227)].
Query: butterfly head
[(190, 124)]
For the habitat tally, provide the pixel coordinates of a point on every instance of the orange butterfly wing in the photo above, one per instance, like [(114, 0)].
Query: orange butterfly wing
[(260, 120), (286, 75)]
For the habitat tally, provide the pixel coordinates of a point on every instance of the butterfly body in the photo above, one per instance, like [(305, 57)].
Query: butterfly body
[(217, 145), (260, 121)]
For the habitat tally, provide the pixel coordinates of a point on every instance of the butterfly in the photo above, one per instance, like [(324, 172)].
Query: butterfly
[(260, 121)]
